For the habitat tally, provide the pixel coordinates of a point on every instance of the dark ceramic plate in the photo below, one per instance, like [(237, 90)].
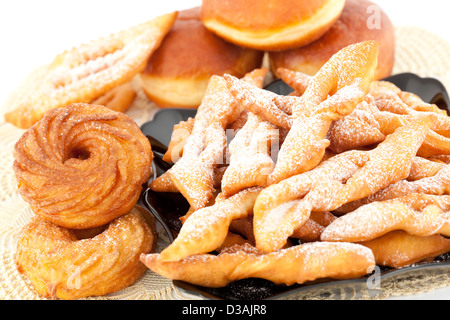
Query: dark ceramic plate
[(168, 207)]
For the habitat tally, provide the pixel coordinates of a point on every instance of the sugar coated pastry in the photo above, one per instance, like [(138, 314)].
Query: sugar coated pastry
[(270, 25), (71, 264), (283, 207), (177, 73), (118, 99), (205, 229), (417, 214), (332, 94), (360, 20), (297, 264), (397, 249), (88, 71), (82, 165)]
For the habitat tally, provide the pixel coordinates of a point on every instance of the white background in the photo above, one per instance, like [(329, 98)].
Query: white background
[(33, 32)]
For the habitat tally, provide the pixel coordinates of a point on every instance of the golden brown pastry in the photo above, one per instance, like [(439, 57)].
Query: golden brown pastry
[(360, 20), (205, 229), (398, 249), (60, 263), (297, 264), (118, 99), (177, 73), (283, 207), (90, 70), (418, 214), (204, 149), (272, 24), (250, 160), (82, 165), (331, 94)]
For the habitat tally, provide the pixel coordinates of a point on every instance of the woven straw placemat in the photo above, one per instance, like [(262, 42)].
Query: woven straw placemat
[(417, 51)]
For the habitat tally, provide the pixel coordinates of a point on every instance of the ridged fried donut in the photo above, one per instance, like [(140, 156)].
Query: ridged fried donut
[(62, 264), (82, 165)]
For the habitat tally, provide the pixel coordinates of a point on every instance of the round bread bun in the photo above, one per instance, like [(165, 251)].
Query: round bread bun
[(360, 20), (177, 73), (270, 25)]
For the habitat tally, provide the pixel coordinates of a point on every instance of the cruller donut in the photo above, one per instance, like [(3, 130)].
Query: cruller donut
[(63, 263), (177, 73), (82, 165), (271, 24)]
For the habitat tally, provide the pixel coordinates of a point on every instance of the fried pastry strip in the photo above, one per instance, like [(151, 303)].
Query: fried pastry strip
[(193, 173), (436, 184), (313, 227), (118, 99), (204, 148), (298, 81), (331, 94), (250, 156), (283, 207), (205, 229), (386, 108), (417, 214), (398, 249), (90, 70), (297, 264), (62, 264), (180, 132)]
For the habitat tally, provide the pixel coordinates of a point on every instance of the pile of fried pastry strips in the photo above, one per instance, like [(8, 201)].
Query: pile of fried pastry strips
[(355, 169)]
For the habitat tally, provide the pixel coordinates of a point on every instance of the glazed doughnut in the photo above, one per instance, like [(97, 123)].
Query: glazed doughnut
[(62, 264), (177, 73), (270, 25), (82, 165), (354, 25)]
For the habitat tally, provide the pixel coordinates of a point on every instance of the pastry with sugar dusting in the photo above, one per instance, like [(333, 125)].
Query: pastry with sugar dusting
[(204, 148), (397, 249), (330, 95), (88, 71), (250, 161), (418, 214), (205, 229), (426, 177)]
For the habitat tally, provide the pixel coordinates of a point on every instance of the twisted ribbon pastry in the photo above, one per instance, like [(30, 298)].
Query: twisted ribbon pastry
[(436, 182), (283, 207), (82, 165), (204, 148), (205, 229), (398, 249), (417, 214), (332, 93), (384, 109), (297, 264), (90, 70), (63, 263)]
